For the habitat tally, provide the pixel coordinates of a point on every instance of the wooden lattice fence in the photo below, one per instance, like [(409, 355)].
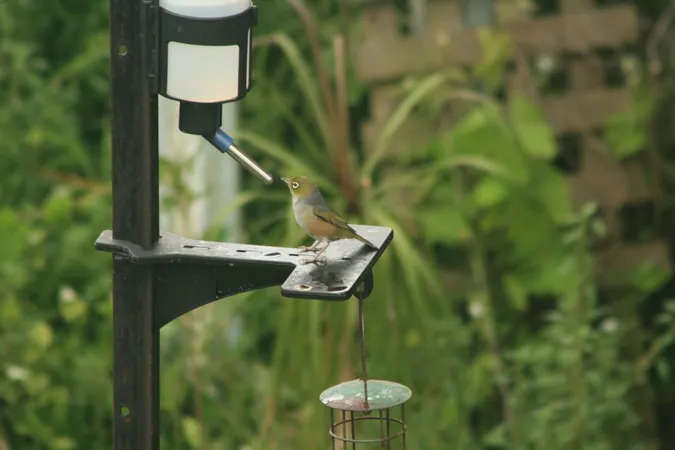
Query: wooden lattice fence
[(575, 35)]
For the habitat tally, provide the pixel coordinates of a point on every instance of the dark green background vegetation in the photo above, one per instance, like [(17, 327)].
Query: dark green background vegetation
[(526, 351)]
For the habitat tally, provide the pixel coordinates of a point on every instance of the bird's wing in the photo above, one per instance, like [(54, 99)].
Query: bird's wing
[(333, 218), (322, 210)]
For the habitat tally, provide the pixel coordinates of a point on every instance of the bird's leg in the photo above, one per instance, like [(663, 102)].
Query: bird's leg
[(316, 257), (311, 248)]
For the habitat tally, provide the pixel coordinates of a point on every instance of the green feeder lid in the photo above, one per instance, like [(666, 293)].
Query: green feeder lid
[(349, 396)]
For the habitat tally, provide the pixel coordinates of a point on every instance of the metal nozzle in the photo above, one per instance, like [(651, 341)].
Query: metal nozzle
[(251, 165), (225, 144)]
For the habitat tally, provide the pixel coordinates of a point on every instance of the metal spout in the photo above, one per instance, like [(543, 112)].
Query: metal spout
[(225, 144)]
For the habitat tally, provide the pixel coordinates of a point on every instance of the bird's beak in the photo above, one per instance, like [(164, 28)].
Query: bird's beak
[(285, 180)]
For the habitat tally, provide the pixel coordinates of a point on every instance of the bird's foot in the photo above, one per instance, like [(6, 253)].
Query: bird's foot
[(315, 260), (304, 248)]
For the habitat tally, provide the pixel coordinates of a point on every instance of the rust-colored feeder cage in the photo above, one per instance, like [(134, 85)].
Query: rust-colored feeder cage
[(385, 399), (367, 408)]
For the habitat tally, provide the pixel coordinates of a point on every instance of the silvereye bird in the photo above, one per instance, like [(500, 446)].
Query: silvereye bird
[(317, 218)]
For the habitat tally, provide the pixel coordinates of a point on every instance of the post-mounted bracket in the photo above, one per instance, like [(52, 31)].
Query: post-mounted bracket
[(190, 273)]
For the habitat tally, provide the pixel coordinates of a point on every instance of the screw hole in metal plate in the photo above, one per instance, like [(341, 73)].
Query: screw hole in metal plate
[(304, 287), (337, 288), (241, 251), (293, 254), (273, 254)]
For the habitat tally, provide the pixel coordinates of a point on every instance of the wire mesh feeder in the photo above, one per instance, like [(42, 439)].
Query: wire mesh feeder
[(365, 396), (350, 398)]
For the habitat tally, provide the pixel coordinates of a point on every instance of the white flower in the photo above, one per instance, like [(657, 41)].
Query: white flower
[(16, 373), (67, 294), (610, 325), (476, 309), (546, 63)]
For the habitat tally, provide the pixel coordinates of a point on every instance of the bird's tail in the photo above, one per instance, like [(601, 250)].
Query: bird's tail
[(365, 241)]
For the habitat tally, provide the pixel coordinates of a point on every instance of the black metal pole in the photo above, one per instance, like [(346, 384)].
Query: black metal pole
[(135, 219)]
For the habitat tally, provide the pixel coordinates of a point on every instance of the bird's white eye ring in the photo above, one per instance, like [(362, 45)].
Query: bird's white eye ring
[(295, 185)]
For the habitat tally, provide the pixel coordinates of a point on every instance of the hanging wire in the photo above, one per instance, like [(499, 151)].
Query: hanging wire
[(363, 352), (346, 397)]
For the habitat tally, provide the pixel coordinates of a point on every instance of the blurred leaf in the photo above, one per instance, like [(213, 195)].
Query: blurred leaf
[(412, 339), (497, 49), (71, 306), (14, 235), (398, 117), (552, 191), (489, 192), (496, 437), (193, 432), (648, 277), (625, 134), (662, 369), (480, 164), (64, 443), (10, 310), (304, 76), (41, 335), (515, 291), (59, 206), (444, 224), (483, 135), (534, 133)]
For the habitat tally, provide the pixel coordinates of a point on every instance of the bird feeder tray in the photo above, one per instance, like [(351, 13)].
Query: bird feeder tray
[(335, 278)]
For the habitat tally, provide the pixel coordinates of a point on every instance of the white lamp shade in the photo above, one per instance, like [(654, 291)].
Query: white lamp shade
[(205, 73), (205, 9), (202, 73)]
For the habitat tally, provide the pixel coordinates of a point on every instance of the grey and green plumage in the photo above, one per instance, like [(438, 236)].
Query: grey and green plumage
[(316, 217)]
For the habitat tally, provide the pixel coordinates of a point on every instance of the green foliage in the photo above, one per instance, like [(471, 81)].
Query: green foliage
[(485, 193), (627, 133), (534, 134), (486, 304)]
